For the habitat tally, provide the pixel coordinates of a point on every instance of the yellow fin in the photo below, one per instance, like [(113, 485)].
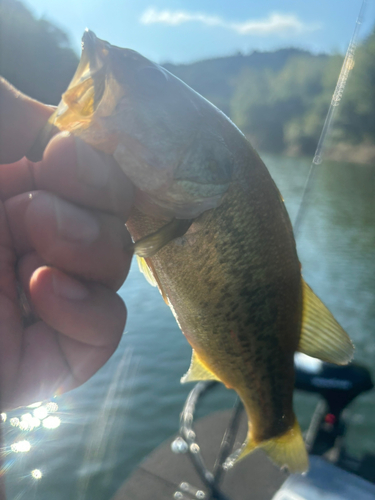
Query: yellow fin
[(149, 245), (321, 336), (143, 267), (146, 267), (197, 371), (287, 450)]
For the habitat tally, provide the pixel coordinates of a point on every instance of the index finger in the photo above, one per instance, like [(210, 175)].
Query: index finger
[(78, 173), (21, 120)]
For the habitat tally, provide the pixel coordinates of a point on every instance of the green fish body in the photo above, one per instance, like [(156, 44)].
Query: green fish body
[(212, 233)]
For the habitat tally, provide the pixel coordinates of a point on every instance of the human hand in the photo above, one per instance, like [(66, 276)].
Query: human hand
[(62, 237)]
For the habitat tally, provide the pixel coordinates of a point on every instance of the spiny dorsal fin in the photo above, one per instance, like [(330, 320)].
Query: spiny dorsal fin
[(321, 336), (197, 371)]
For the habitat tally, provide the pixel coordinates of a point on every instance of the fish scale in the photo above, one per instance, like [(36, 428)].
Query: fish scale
[(211, 231), (228, 281)]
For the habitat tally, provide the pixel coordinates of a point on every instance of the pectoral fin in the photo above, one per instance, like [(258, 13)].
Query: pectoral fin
[(321, 336), (197, 371), (145, 270), (149, 245), (149, 273)]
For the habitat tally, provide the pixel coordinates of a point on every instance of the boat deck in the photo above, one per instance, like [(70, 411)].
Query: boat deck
[(166, 475)]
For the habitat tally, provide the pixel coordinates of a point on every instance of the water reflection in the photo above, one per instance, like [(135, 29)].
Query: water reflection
[(36, 474), (28, 422), (51, 422), (21, 446), (41, 412)]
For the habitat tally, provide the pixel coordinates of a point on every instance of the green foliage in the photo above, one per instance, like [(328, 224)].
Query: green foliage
[(356, 119), (216, 79), (270, 106), (34, 54), (280, 99)]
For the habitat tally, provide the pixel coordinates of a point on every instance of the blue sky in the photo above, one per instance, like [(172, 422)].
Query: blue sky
[(188, 30)]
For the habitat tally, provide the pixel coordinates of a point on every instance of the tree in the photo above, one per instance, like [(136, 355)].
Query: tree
[(35, 55)]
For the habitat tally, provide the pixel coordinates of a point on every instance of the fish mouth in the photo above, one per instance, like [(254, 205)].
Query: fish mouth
[(86, 89), (83, 96)]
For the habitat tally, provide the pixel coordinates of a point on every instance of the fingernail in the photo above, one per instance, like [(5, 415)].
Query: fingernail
[(75, 224), (66, 287), (92, 170)]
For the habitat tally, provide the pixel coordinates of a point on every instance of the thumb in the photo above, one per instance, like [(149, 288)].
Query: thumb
[(21, 119)]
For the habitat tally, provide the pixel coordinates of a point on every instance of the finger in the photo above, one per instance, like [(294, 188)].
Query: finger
[(88, 313), (7, 258), (92, 245), (77, 172), (16, 178), (10, 347), (53, 364), (26, 267), (89, 244), (21, 120), (43, 370)]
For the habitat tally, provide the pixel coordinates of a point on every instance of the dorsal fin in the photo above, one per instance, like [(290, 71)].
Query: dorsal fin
[(321, 336), (197, 371)]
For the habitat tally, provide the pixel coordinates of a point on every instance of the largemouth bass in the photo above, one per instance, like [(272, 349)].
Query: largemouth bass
[(211, 231)]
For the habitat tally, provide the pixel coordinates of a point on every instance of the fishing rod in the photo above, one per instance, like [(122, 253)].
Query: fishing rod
[(346, 67), (186, 442)]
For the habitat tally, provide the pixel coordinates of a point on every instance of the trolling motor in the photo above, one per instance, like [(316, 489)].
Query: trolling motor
[(338, 386)]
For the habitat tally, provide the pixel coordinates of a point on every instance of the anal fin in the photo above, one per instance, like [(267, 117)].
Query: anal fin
[(287, 450), (321, 336), (198, 371)]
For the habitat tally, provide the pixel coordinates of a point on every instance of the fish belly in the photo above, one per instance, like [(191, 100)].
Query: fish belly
[(233, 283)]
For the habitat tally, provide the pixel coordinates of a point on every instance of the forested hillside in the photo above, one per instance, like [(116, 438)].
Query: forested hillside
[(279, 99), (35, 55)]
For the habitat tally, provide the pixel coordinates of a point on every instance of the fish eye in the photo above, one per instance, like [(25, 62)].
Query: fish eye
[(151, 79)]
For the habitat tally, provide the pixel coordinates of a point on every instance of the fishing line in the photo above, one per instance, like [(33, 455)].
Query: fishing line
[(346, 67)]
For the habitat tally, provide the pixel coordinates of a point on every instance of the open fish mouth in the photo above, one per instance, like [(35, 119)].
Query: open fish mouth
[(83, 96), (86, 90)]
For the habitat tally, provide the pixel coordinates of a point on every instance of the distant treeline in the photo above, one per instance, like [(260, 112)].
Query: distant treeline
[(35, 55), (279, 99)]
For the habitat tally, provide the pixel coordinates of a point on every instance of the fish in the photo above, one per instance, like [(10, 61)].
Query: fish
[(211, 231)]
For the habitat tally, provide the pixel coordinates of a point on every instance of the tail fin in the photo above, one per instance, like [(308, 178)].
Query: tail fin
[(287, 450)]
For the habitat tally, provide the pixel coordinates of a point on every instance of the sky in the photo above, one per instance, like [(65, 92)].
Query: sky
[(183, 31)]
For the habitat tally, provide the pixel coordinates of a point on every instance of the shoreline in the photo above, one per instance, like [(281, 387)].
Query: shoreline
[(362, 154)]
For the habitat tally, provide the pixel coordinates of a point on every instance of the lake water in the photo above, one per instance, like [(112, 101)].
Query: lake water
[(89, 440)]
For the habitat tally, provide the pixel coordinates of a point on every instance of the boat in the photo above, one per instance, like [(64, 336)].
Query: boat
[(191, 464)]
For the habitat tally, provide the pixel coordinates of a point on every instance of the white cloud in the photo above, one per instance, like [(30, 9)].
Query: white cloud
[(275, 23)]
